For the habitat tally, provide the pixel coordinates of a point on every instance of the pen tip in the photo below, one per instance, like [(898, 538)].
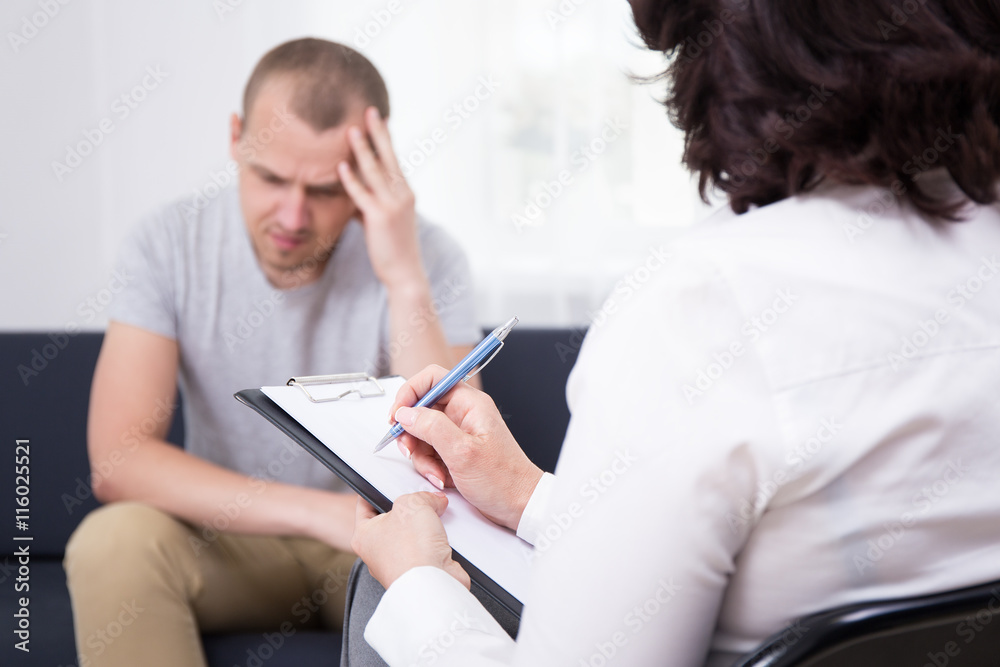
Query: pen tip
[(382, 443)]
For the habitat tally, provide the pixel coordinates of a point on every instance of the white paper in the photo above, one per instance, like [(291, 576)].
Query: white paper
[(351, 427)]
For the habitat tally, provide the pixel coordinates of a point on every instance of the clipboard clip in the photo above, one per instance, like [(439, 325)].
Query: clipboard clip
[(369, 388)]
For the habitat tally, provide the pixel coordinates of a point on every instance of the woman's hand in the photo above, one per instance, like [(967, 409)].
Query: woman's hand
[(410, 535), (464, 442)]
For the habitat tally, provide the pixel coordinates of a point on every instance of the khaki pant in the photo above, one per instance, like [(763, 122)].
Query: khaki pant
[(145, 585)]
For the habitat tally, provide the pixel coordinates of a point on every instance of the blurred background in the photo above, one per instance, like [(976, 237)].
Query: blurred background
[(516, 121)]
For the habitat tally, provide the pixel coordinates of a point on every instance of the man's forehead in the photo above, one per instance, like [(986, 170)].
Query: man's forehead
[(280, 137)]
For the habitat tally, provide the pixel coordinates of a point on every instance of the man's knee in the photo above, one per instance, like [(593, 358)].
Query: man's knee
[(123, 537)]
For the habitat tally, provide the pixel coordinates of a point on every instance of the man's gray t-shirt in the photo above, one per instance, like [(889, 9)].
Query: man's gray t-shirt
[(193, 277)]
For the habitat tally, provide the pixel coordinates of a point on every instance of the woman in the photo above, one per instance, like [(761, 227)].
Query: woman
[(806, 394)]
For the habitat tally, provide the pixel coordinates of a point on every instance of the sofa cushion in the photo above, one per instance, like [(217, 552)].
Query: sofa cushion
[(527, 380), (45, 387)]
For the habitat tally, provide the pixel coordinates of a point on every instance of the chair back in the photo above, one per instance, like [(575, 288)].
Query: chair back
[(952, 629)]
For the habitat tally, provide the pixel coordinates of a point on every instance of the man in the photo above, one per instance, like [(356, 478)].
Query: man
[(317, 264)]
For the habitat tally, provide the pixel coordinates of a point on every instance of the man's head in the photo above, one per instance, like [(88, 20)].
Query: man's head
[(298, 104)]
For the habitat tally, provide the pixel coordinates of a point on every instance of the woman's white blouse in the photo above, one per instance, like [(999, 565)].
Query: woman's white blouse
[(782, 412)]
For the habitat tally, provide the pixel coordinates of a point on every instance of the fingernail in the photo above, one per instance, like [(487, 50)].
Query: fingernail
[(355, 133), (406, 416), (403, 449), (435, 481)]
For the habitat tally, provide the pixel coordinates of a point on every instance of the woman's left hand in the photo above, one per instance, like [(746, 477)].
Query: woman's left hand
[(410, 535)]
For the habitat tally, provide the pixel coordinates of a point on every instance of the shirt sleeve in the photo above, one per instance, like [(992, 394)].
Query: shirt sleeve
[(533, 517), (427, 617), (146, 267), (672, 419), (452, 294)]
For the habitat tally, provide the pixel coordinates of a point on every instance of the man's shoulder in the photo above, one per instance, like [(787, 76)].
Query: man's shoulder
[(199, 209), (188, 217), (436, 241)]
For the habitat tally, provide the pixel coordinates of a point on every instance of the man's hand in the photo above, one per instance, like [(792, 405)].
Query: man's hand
[(411, 535), (386, 204), (464, 442), (328, 517)]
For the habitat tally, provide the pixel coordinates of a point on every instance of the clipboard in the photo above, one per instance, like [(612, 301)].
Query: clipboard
[(361, 387)]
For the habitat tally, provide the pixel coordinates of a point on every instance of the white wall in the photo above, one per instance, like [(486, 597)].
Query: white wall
[(561, 79)]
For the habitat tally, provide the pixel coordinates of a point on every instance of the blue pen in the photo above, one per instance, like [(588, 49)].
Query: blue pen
[(466, 368)]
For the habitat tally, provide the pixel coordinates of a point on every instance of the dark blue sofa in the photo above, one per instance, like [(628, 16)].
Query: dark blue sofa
[(44, 393)]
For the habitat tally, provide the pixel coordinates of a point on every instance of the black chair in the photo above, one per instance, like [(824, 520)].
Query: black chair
[(950, 629)]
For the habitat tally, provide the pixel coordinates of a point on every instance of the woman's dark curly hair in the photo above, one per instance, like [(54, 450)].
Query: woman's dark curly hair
[(776, 95)]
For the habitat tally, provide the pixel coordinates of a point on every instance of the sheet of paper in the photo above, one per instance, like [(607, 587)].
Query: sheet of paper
[(352, 426)]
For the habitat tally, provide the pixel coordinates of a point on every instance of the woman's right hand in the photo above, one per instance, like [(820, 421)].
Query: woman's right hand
[(463, 442)]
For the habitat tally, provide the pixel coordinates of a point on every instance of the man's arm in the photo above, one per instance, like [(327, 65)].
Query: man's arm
[(419, 339), (136, 374)]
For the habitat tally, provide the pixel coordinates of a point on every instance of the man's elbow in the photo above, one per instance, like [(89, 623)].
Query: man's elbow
[(103, 491), (103, 484), (106, 471)]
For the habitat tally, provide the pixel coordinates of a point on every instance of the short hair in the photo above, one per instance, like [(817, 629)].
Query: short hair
[(775, 96), (328, 79)]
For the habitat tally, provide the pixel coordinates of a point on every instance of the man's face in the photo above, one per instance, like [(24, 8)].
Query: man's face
[(293, 202)]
